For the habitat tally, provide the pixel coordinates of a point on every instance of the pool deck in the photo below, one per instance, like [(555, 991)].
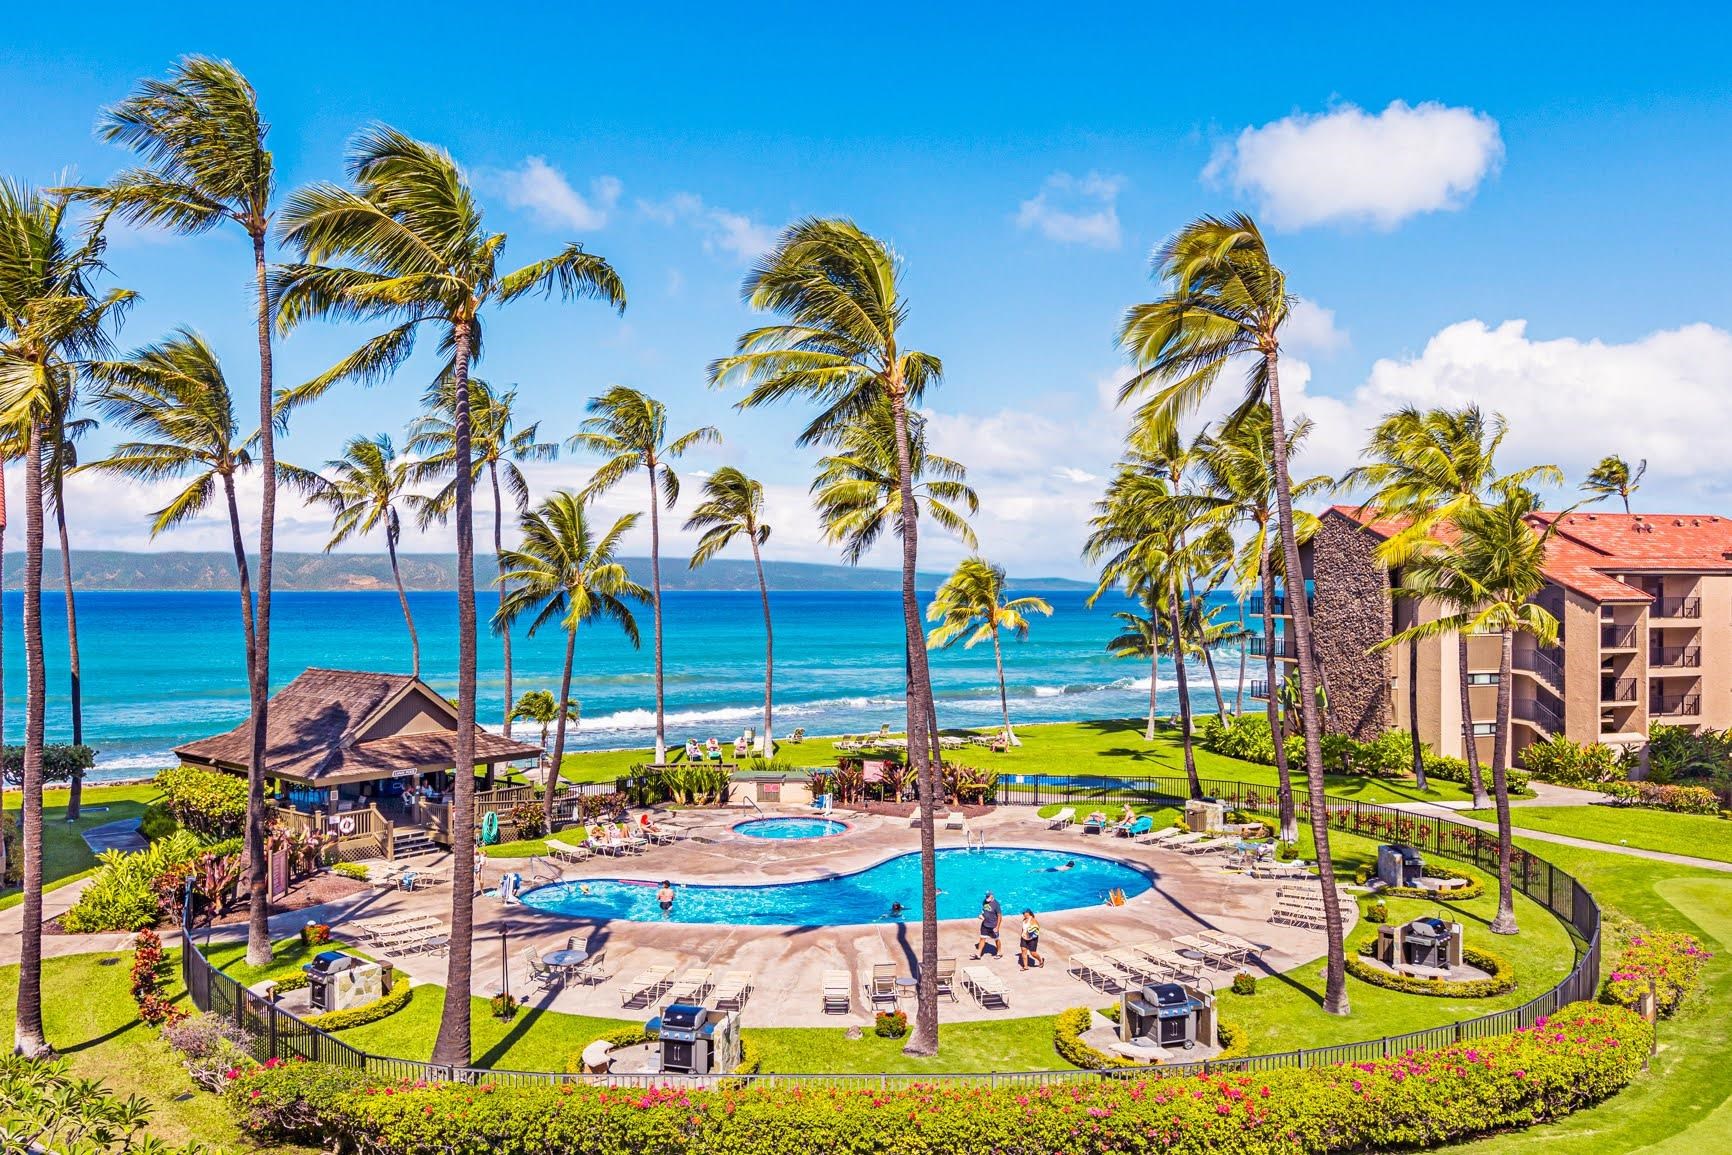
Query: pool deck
[(1192, 893)]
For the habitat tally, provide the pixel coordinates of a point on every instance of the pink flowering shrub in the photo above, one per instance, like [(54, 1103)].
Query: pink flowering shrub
[(1582, 1055), (1672, 960)]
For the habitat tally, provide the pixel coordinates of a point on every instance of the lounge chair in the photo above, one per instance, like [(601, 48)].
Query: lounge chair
[(1184, 839), (1159, 837), (691, 986), (947, 978), (1174, 963), (1094, 823), (1137, 966), (567, 851), (1280, 870), (1142, 825), (1097, 970), (1062, 819), (1207, 846), (1214, 953), (914, 819), (733, 991), (1244, 946), (837, 991), (956, 820), (882, 987), (985, 986), (645, 986)]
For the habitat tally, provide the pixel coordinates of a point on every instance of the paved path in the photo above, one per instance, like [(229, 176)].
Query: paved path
[(1448, 811), (122, 835)]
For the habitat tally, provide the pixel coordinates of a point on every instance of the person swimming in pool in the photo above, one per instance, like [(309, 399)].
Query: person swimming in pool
[(1069, 864), (583, 888), (897, 910), (665, 896)]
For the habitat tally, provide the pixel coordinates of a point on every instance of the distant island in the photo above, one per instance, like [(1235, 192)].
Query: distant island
[(103, 569)]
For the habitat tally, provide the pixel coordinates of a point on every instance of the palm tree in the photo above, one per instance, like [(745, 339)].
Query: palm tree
[(630, 429), (202, 139), (407, 245), (540, 707), (971, 606), (733, 506), (51, 322), (562, 574), (496, 446), (365, 485), (1142, 636), (1491, 564), (1226, 299), (838, 343), (1613, 475), (1424, 468), (1237, 468)]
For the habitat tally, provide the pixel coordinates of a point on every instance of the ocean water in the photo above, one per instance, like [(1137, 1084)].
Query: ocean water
[(160, 669), (1019, 879)]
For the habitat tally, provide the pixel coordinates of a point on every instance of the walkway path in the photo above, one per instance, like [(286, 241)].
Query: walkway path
[(122, 835), (1448, 810)]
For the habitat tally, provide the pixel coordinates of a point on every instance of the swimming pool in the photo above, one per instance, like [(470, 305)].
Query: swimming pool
[(1036, 879), (784, 828)]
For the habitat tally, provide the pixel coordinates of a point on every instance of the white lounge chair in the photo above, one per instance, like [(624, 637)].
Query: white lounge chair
[(1097, 970), (985, 986), (837, 991), (645, 986), (1063, 818), (1184, 839), (1207, 846), (691, 986), (1134, 964), (882, 987), (1244, 946), (1160, 836), (947, 978), (1214, 953), (733, 991), (956, 820), (1174, 963)]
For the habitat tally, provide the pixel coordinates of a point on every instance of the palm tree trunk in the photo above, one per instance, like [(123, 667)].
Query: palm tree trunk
[(1335, 983), (923, 1039), (499, 567), (1214, 680), (452, 1046), (1470, 746), (1505, 921), (1003, 694), (75, 794), (769, 645), (28, 1038), (403, 600), (1154, 669), (259, 674), (1184, 693), (558, 729), (656, 607), (1289, 819), (1413, 705)]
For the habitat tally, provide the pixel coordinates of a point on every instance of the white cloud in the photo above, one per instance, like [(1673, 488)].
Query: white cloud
[(1311, 328), (1075, 210), (1072, 474), (1348, 165), (723, 230), (544, 191)]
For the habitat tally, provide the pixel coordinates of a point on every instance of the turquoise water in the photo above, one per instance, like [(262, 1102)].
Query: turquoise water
[(787, 828), (1018, 878), (161, 669)]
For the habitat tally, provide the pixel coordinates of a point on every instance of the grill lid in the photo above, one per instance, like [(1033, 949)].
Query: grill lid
[(1166, 994), (330, 962), (681, 1015)]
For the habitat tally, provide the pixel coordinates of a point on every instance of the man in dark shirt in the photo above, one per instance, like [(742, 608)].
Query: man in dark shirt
[(990, 914)]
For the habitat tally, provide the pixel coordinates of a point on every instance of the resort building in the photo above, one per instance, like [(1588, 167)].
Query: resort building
[(1644, 606), (366, 757)]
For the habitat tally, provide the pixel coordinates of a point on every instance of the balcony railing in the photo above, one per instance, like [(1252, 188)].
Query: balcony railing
[(1619, 690), (1616, 637), (1687, 706), (1676, 608), (1260, 690), (1537, 712), (1282, 648), (1277, 605), (1676, 657), (1543, 664)]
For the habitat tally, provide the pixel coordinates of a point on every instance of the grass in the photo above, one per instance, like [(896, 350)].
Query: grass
[(1697, 835), (66, 857)]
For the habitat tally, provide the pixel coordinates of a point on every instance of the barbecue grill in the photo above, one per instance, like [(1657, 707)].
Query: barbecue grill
[(322, 975), (1165, 1016), (685, 1039), (1400, 866), (1425, 942)]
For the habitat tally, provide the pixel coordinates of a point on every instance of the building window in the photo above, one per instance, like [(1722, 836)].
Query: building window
[(1484, 729), (1482, 679)]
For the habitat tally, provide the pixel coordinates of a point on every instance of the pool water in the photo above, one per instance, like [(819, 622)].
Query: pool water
[(1019, 878), (783, 828)]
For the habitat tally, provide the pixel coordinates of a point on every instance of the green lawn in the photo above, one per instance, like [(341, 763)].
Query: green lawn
[(66, 856), (1697, 835)]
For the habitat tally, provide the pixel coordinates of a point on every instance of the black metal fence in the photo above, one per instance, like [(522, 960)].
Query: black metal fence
[(279, 1034)]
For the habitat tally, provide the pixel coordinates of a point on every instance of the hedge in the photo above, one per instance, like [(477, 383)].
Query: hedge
[(1389, 755), (1473, 889), (1653, 796), (1578, 1057), (1068, 1027), (1672, 960), (207, 802), (1502, 978), (370, 1013)]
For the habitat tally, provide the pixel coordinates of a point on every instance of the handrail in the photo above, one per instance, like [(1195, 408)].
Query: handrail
[(280, 1034)]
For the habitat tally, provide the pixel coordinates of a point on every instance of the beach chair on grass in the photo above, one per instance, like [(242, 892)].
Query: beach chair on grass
[(947, 978), (837, 991), (1062, 819), (733, 991), (691, 986), (645, 986), (986, 987), (882, 987)]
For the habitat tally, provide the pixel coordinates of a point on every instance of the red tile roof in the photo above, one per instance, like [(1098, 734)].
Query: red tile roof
[(1588, 548)]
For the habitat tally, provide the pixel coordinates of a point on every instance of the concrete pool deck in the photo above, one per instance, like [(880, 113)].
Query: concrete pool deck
[(1192, 893)]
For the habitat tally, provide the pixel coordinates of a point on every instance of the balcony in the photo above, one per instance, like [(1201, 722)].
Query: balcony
[(1617, 637), (1675, 608), (1283, 649), (1675, 657), (1674, 706), (1542, 666), (1618, 690), (1277, 605), (1260, 690), (1537, 713)]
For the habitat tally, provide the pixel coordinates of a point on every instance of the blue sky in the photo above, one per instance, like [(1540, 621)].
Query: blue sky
[(1429, 183)]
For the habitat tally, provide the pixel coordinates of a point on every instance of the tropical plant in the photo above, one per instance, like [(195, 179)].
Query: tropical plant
[(1613, 475), (363, 489), (630, 429), (838, 342), (407, 244), (51, 323), (202, 140), (1492, 562), (496, 447), (1225, 299), (1142, 637), (1237, 468), (971, 607), (561, 573), (542, 708), (733, 506)]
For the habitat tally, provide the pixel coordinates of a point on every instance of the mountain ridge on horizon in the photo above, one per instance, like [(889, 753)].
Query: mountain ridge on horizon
[(194, 570)]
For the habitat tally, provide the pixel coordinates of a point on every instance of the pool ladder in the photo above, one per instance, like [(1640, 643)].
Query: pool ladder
[(975, 841)]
